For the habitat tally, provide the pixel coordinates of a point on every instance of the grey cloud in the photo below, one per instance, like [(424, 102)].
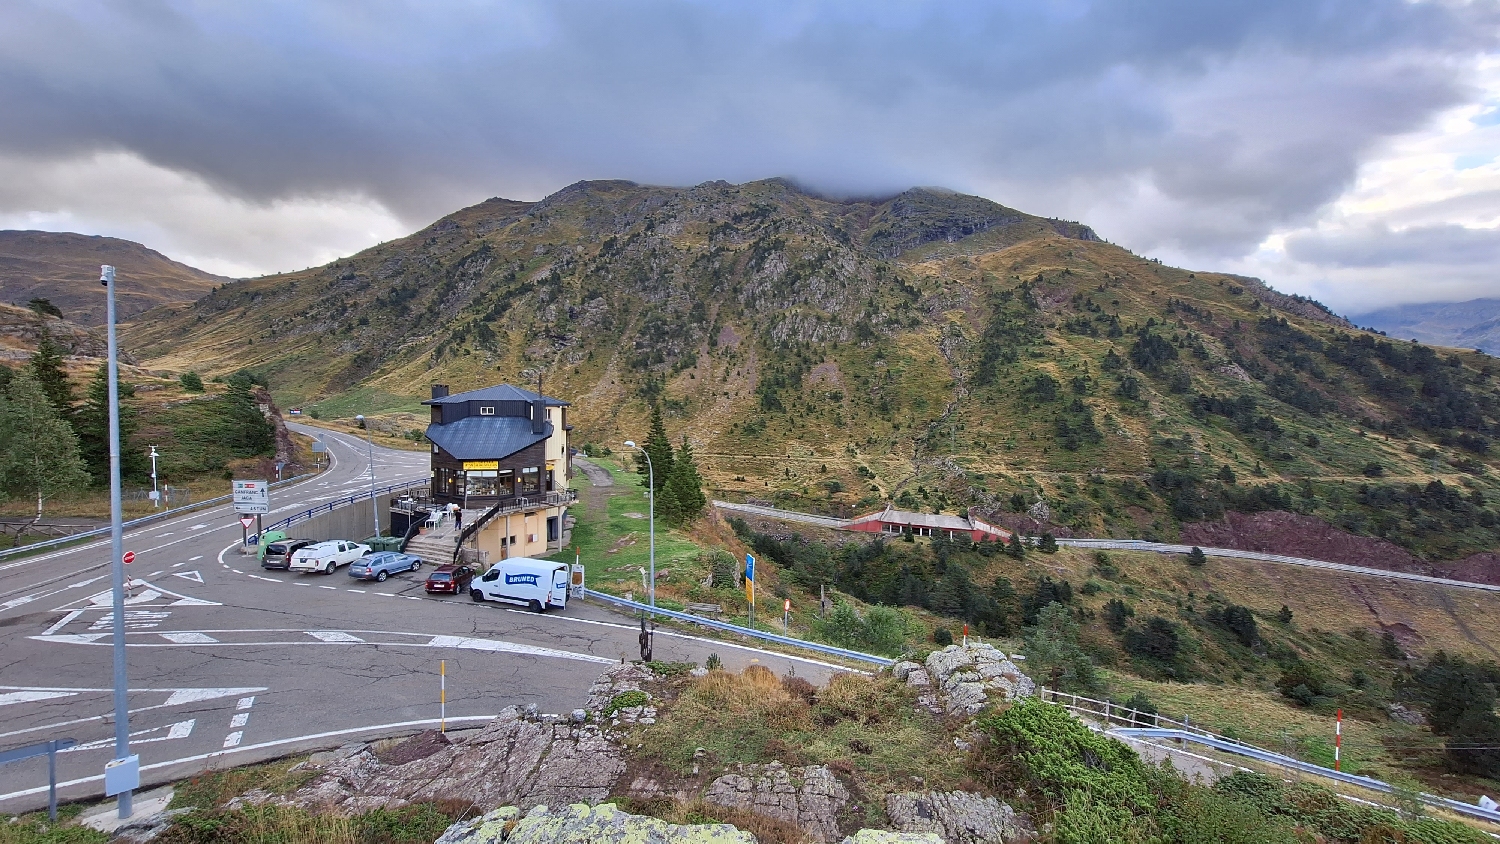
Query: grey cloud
[(1238, 116), (1378, 246)]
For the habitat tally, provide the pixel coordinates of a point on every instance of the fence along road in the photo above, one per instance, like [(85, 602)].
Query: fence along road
[(1142, 545)]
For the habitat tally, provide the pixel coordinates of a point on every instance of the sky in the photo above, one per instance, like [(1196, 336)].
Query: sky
[(1344, 149)]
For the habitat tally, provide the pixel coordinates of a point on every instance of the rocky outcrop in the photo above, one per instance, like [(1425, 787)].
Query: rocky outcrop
[(962, 679), (880, 836), (959, 817), (518, 758), (584, 824), (810, 797)]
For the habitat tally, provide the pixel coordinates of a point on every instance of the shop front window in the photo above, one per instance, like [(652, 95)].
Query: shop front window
[(531, 480), (481, 484), (506, 483)]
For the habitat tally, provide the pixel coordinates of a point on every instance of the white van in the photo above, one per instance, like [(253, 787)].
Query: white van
[(538, 584)]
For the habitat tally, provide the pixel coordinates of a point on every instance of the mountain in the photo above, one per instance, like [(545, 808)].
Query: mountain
[(1467, 325), (64, 268), (936, 349)]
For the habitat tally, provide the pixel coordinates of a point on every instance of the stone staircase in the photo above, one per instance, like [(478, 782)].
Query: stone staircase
[(435, 545)]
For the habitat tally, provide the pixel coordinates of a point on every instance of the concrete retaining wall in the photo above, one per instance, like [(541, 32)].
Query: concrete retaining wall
[(351, 522)]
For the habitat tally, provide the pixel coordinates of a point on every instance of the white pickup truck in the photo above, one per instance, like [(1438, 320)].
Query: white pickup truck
[(327, 556)]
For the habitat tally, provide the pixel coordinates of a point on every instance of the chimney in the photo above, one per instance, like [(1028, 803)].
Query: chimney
[(439, 391), (538, 416)]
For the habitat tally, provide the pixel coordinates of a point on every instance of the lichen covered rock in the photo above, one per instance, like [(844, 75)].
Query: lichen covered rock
[(958, 817), (881, 836), (967, 677), (810, 797), (584, 824)]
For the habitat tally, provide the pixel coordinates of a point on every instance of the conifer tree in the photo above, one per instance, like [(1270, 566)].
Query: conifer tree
[(660, 448), (682, 497), (38, 449), (91, 422), (47, 367)]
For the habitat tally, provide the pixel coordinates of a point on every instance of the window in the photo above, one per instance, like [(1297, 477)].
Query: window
[(486, 410), (531, 480), (481, 484)]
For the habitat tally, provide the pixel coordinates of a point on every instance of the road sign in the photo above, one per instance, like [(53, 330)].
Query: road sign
[(246, 521), (129, 557), (252, 497)]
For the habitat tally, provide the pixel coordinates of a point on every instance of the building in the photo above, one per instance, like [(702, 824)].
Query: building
[(501, 453), (896, 522)]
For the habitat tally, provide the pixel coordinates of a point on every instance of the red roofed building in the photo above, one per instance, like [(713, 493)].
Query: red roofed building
[(896, 522)]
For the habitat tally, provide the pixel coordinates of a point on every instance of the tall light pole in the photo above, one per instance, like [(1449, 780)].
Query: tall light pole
[(651, 520), (117, 551), (155, 490), (374, 510)]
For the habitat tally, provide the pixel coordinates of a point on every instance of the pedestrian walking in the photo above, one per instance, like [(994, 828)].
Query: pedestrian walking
[(458, 518)]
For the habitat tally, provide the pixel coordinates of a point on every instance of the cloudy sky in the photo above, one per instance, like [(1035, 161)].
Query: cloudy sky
[(1346, 149)]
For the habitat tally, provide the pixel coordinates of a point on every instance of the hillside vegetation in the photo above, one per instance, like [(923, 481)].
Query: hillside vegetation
[(932, 348)]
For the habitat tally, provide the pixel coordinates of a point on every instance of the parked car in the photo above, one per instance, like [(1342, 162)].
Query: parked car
[(450, 579), (383, 564), (327, 556), (279, 552)]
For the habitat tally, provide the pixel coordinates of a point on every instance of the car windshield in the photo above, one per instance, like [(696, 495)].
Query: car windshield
[(441, 575), (275, 548)]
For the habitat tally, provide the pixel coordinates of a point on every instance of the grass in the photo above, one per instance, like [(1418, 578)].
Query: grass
[(415, 824), (213, 789), (34, 828)]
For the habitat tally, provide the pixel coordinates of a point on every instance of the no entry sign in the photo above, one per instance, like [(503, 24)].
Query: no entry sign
[(129, 557)]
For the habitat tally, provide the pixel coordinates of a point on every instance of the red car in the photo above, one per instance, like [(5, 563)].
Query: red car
[(450, 579)]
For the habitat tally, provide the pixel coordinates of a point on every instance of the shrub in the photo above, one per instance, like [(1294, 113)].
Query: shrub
[(191, 382), (942, 637), (1196, 558), (1156, 640)]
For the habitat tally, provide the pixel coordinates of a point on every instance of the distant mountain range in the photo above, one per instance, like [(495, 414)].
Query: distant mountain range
[(1474, 324), (63, 268)]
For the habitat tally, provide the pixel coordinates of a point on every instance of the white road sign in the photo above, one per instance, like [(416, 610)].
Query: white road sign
[(252, 497)]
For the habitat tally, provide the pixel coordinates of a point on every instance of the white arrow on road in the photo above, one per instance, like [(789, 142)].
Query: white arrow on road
[(181, 729)]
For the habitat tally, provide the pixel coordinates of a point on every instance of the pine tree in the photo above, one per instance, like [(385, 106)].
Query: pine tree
[(6, 373), (47, 367), (1196, 558), (682, 496), (660, 449), (38, 449), (91, 422), (1015, 547)]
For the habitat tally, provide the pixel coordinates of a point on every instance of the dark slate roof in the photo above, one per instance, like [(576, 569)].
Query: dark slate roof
[(486, 437), (499, 392)]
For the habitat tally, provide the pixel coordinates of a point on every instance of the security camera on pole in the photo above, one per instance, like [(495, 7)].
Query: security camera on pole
[(155, 490), (374, 510)]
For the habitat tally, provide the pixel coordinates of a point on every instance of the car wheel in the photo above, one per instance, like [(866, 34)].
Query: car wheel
[(328, 569), (416, 566), (477, 595), (380, 577), (536, 606)]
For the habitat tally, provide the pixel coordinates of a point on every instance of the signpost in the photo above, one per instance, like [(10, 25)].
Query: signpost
[(128, 557), (251, 497), (245, 523), (750, 586)]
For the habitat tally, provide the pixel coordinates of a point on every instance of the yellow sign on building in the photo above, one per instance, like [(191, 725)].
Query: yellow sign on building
[(480, 465)]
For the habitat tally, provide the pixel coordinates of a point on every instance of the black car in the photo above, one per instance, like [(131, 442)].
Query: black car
[(279, 553)]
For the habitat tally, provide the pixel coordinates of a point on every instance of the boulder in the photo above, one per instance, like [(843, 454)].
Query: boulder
[(968, 677), (810, 797), (584, 824), (958, 817), (881, 836)]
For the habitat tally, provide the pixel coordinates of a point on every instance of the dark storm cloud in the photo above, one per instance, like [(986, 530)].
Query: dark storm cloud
[(1378, 246), (1230, 118)]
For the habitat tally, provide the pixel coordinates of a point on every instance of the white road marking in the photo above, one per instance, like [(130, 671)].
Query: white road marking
[(197, 527), (29, 697), (156, 574), (233, 738), (16, 602), (302, 584), (188, 638), (180, 696), (178, 565), (134, 620), (240, 720), (181, 729), (360, 591), (473, 644), (62, 622), (327, 587), (193, 575), (245, 702), (236, 571), (163, 535), (195, 559), (334, 636)]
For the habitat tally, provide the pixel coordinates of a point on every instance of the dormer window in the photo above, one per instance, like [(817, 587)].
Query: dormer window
[(486, 410)]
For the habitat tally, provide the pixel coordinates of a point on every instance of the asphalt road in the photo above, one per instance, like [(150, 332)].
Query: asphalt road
[(229, 664)]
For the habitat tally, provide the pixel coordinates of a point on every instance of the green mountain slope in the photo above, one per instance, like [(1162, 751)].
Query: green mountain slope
[(934, 348)]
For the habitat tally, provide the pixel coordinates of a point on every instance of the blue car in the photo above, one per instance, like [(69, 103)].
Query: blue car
[(383, 564)]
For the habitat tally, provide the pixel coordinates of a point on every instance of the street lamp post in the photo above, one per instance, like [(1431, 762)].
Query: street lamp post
[(117, 561), (155, 490), (374, 509), (651, 520)]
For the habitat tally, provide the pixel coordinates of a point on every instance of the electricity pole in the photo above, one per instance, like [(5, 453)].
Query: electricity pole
[(124, 763)]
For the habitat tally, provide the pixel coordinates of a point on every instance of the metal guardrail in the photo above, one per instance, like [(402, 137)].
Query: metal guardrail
[(49, 749), (143, 520), (1183, 731), (743, 631), (330, 506)]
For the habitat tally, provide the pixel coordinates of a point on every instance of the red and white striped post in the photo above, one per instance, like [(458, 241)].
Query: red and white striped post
[(966, 635), (1338, 738)]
